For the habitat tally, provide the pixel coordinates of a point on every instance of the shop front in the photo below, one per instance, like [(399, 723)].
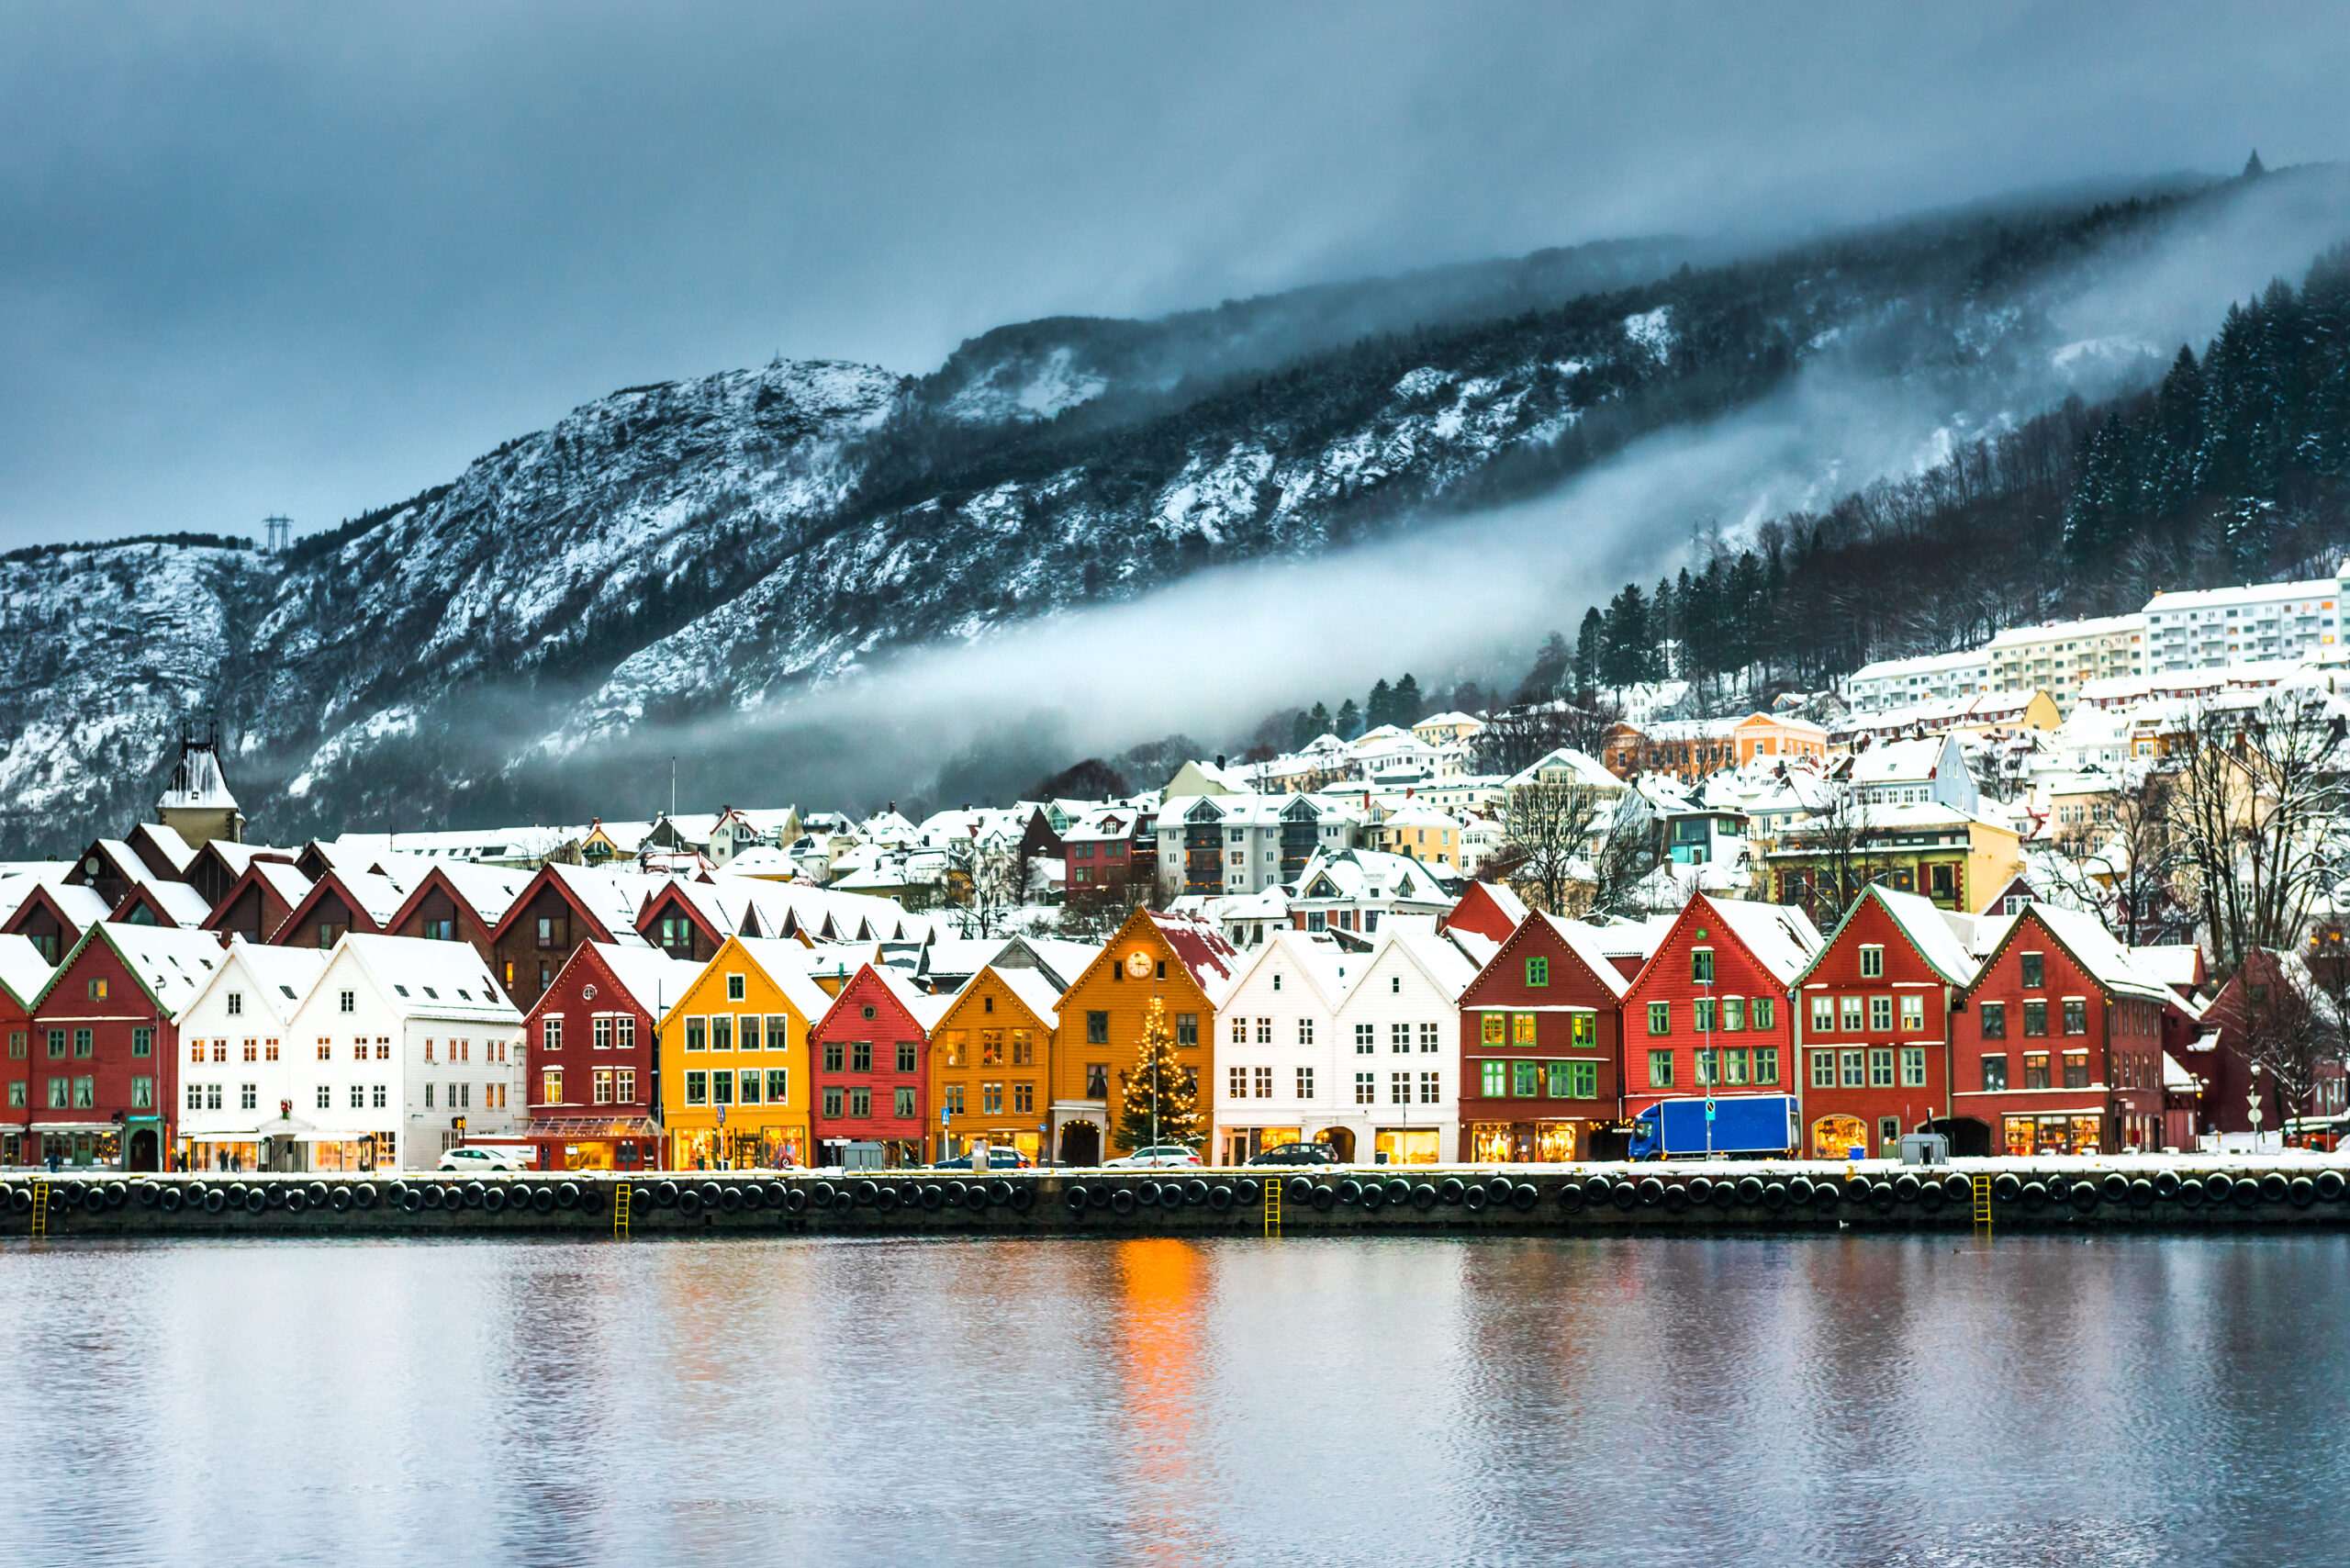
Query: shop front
[(1840, 1137), (1242, 1145), (740, 1149), (233, 1152), (1529, 1143), (2053, 1132), (1406, 1145), (75, 1146), (1029, 1141), (585, 1143)]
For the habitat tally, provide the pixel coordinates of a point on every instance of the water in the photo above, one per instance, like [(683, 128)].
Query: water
[(1621, 1401)]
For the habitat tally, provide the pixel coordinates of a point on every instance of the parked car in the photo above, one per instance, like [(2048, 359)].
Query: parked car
[(998, 1159), (1296, 1154), (474, 1156), (1157, 1154)]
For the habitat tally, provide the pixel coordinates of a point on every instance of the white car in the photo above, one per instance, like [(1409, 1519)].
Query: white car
[(474, 1157), (1155, 1156)]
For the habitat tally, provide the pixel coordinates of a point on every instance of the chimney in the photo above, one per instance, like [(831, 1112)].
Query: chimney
[(1219, 759)]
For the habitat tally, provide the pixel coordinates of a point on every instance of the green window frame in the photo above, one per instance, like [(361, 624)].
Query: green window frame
[(85, 1044), (1660, 1018), (1733, 1014), (57, 1045), (1494, 1077), (142, 1042), (1581, 1080), (1701, 1015), (779, 1085), (1583, 1029), (1493, 1030), (1913, 1066), (1823, 1069), (1767, 1064), (1761, 1013), (1660, 1070), (1522, 1029), (1701, 965), (1538, 971), (696, 1034), (1526, 1078)]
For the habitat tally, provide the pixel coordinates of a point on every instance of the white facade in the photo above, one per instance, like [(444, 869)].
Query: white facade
[(2059, 657), (1398, 1048), (236, 1063), (2217, 627), (1246, 833), (399, 1040), (1932, 678), (1276, 1062)]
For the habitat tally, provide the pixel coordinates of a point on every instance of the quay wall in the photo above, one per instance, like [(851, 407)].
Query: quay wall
[(2183, 1194)]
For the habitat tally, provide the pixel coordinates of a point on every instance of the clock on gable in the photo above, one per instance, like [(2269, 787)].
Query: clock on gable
[(1139, 963)]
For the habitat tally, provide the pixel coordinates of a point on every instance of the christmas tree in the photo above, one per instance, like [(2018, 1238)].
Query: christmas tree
[(1159, 1098)]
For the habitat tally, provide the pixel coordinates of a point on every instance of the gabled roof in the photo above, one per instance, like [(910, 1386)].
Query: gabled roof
[(1060, 960), (1781, 937), (1591, 948), (361, 893), (176, 902), (488, 892), (421, 978), (786, 963), (1944, 940), (154, 842), (77, 904), (652, 979), (1293, 952), (601, 898), (275, 877), (2085, 940), (281, 978), (1415, 941), (1212, 962), (1036, 993), (170, 963), (923, 1008), (24, 973)]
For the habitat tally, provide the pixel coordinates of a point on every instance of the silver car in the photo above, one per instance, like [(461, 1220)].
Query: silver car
[(1157, 1154)]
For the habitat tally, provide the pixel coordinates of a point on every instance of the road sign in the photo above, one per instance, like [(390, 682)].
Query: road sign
[(1710, 1107)]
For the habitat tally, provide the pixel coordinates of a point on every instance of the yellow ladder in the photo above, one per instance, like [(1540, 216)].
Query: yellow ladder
[(620, 1211), (1982, 1184), (40, 1208), (1273, 1207)]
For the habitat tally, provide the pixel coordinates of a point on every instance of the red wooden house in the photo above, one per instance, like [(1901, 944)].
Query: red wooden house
[(1489, 909), (158, 903), (870, 1056), (109, 868), (340, 900), (1542, 1047), (2059, 1043), (686, 919), (562, 906), (257, 904), (593, 1055), (1873, 1012), (1708, 1013), (23, 975), (104, 1049), (460, 903)]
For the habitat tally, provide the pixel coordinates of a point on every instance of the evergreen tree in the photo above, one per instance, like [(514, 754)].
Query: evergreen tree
[(1322, 723), (1349, 720), (1380, 708), (1549, 672), (1405, 704), (1159, 1099), (1624, 657), (1301, 730), (2253, 168), (1589, 639)]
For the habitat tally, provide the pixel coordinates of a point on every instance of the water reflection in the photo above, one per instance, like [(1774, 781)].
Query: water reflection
[(1836, 1400)]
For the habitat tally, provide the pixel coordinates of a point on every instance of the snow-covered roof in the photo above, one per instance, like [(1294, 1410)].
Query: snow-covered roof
[(281, 978), (79, 904), (1311, 957), (1900, 762), (2089, 943), (1403, 940), (651, 977), (1944, 940), (197, 783), (1577, 768), (2179, 965), (23, 971), (1212, 961), (1035, 992), (182, 903), (166, 842), (1356, 874), (784, 962), (421, 978), (173, 962), (1781, 937)]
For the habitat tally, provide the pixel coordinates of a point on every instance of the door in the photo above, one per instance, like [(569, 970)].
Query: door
[(1080, 1144), (143, 1144)]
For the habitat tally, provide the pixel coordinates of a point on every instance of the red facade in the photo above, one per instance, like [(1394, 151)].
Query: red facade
[(1541, 1068), (589, 1044), (871, 1059), (1492, 912), (251, 907), (2050, 1056), (438, 910), (1874, 1027), (1703, 1000), (537, 936), (325, 913), (101, 1068)]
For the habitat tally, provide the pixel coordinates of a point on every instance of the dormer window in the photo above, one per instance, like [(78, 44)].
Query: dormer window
[(401, 988)]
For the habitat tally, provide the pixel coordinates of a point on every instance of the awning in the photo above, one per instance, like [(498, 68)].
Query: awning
[(72, 1128), (244, 1136), (577, 1127)]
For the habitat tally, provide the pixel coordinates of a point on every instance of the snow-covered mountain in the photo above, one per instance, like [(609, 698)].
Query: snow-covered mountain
[(709, 546)]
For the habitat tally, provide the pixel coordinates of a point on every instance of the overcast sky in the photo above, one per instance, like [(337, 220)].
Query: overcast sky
[(300, 259)]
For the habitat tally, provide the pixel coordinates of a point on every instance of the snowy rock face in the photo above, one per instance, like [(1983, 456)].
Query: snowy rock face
[(705, 546)]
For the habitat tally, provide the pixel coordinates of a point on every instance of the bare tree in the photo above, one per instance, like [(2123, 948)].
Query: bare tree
[(1548, 829), (2276, 1021), (1838, 836), (993, 873), (2146, 852), (1627, 857), (1515, 738), (2259, 793)]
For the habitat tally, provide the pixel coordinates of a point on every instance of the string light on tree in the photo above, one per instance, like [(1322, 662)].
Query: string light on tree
[(1159, 1098)]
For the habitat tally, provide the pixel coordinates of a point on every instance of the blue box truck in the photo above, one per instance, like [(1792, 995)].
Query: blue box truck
[(1742, 1125)]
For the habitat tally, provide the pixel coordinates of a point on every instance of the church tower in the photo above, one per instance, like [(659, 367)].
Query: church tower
[(196, 803)]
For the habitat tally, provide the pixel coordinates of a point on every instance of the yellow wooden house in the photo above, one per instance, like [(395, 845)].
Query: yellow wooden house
[(735, 1078)]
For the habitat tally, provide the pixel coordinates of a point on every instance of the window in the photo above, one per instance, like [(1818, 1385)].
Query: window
[(1583, 1029), (1761, 1013), (1659, 1070), (236, 1003), (833, 1055), (85, 1093), (1525, 1079), (1522, 1028), (1367, 1086), (1305, 1084), (1823, 1014), (551, 1033), (57, 1046), (1854, 1068), (1538, 971), (953, 1095), (860, 1101), (325, 1097), (1097, 1079), (1849, 1011), (1913, 1066), (860, 1055), (1264, 1079), (2035, 1019), (746, 1032), (1399, 1039), (428, 1094), (17, 1044), (1701, 1015), (1823, 1069), (1881, 1068), (2035, 970), (721, 1087), (1024, 1097), (1994, 1020), (2077, 1015), (58, 1090), (16, 1095), (379, 1094), (143, 1093), (600, 1033), (1399, 1089), (1701, 965), (1913, 1012), (903, 1102), (1264, 1031), (1239, 1031), (779, 1085), (1493, 1028), (2035, 1070), (1872, 962), (832, 1101), (85, 1044), (326, 1051), (696, 1034), (1880, 1014), (733, 988), (722, 1033), (550, 931), (1574, 1080), (1187, 1029), (1097, 1028), (1367, 1037), (698, 1088), (1733, 1014), (777, 1032), (1995, 1074), (1429, 1085), (350, 1000), (1236, 1081), (2077, 1069), (1660, 1021), (1429, 1036)]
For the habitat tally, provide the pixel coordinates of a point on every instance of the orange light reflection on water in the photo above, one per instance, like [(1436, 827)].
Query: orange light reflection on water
[(1159, 1352)]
